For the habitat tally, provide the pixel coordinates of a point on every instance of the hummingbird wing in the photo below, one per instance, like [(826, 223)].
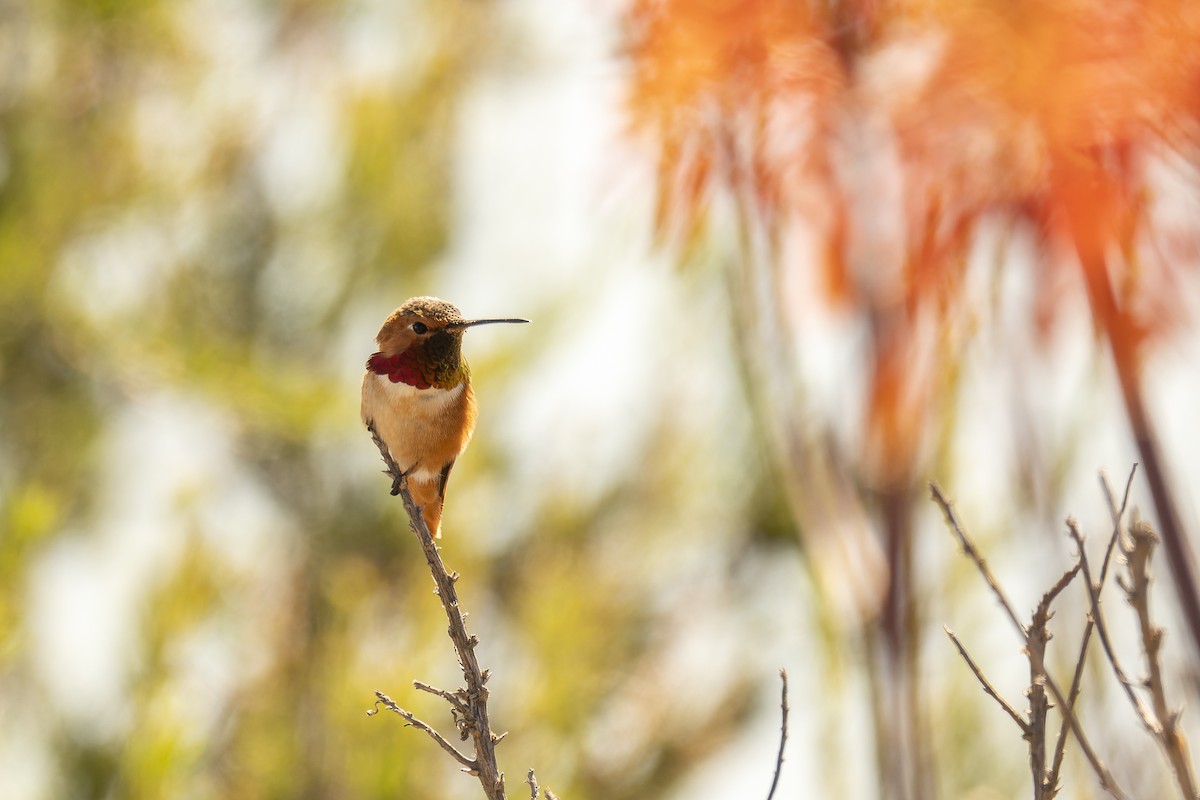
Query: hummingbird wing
[(444, 477)]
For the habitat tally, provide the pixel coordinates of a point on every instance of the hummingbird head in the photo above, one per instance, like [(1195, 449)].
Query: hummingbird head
[(421, 344)]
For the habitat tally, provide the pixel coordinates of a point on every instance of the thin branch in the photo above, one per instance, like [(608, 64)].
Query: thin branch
[(972, 553), (1142, 540), (470, 702), (783, 730), (1107, 781), (393, 470), (1117, 514), (452, 699), (1144, 715), (986, 684), (534, 788), (1060, 745), (1037, 638), (1057, 589), (1176, 542), (469, 763)]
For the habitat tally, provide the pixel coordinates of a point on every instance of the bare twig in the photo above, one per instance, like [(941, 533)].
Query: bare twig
[(419, 725), (534, 789), (986, 684), (1137, 552), (1033, 731), (1037, 638), (469, 705), (972, 553), (1144, 715), (454, 700), (1107, 781), (783, 730), (1179, 556), (1117, 513)]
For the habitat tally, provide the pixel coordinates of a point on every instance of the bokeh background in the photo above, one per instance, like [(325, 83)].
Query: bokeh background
[(786, 262)]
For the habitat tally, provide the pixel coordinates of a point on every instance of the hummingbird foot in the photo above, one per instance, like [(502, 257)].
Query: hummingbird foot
[(397, 479)]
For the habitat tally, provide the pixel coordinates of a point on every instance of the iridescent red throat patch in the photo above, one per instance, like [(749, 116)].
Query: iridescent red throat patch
[(400, 368)]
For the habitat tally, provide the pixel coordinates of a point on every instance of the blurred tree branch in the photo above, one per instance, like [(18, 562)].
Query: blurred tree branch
[(535, 790)]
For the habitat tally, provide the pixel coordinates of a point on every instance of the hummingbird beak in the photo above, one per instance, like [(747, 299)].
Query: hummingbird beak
[(470, 323)]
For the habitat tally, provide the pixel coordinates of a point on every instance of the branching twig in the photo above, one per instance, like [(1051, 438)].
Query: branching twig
[(1137, 552), (1107, 782), (469, 705), (454, 700), (535, 791), (1144, 715), (783, 730), (1117, 513), (1037, 638), (419, 725)]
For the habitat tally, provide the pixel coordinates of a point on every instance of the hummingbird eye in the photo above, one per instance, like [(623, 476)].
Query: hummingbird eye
[(419, 328)]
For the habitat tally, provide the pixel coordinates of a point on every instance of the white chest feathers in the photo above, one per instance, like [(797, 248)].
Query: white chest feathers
[(432, 399)]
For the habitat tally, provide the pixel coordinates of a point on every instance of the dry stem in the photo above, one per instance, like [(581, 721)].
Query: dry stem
[(1044, 786), (987, 685), (783, 730), (1137, 551), (1035, 653), (1117, 513), (468, 705), (1144, 715), (390, 704)]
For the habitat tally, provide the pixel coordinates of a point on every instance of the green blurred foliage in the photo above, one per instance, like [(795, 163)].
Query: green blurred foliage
[(146, 259)]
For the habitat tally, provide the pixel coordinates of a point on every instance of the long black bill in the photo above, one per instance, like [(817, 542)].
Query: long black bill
[(470, 323)]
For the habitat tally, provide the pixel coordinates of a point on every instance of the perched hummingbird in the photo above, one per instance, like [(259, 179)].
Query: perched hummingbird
[(417, 394)]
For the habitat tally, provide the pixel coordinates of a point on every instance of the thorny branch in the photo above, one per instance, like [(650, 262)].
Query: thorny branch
[(1117, 513), (390, 704), (1039, 706), (468, 705), (1144, 715), (1138, 549), (1107, 782)]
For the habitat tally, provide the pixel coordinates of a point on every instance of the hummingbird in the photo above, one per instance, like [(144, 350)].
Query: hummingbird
[(417, 396)]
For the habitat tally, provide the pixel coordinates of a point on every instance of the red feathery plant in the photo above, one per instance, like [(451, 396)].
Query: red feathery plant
[(889, 135)]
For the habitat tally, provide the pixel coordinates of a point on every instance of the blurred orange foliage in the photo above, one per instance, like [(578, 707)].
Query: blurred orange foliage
[(1046, 115)]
